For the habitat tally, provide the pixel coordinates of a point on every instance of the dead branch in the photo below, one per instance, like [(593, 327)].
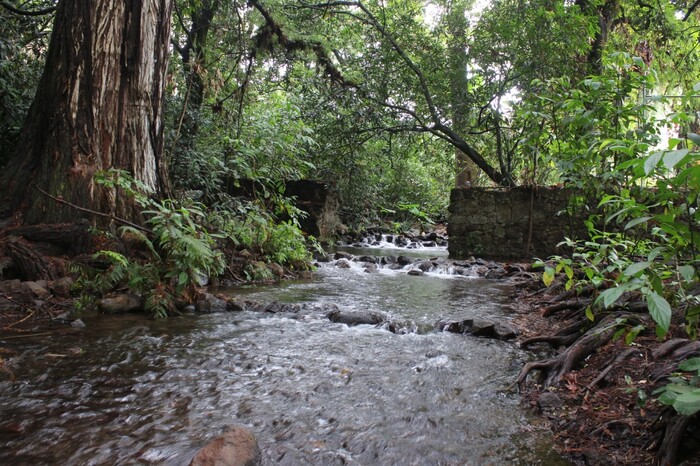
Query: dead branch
[(94, 212)]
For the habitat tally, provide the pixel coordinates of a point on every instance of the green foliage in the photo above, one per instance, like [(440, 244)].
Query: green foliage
[(250, 225), (22, 45), (180, 253), (583, 131), (683, 393)]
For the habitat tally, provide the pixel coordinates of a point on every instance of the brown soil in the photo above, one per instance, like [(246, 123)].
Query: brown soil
[(615, 420)]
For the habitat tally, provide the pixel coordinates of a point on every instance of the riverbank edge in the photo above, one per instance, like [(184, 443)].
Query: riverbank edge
[(603, 411), (613, 420)]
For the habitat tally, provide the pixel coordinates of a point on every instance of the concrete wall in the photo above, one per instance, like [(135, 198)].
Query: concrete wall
[(495, 223)]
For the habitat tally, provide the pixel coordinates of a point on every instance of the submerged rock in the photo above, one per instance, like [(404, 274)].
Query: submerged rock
[(343, 264), (400, 327), (354, 317), (235, 447)]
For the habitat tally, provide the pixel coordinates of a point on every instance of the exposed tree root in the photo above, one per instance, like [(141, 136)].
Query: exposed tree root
[(688, 351), (586, 290), (668, 347), (31, 265), (553, 369), (672, 429), (618, 359), (564, 305), (563, 337)]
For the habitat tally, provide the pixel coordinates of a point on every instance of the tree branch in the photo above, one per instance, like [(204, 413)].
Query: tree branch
[(690, 10), (94, 212), (19, 11)]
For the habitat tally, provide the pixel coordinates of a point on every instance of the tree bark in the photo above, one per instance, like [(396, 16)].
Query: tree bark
[(466, 171), (99, 105)]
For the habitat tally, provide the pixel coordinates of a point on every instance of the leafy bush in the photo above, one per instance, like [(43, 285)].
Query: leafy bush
[(181, 253)]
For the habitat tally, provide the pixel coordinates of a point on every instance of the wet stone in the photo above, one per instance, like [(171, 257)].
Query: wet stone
[(236, 447), (343, 264), (210, 304), (355, 317), (403, 260), (342, 255), (480, 328), (548, 401)]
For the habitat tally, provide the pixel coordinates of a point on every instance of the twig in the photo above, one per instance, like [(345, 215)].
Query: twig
[(31, 313), (620, 357), (26, 335), (94, 212)]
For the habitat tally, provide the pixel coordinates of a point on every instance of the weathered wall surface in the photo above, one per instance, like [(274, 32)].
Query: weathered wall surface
[(313, 197), (517, 223)]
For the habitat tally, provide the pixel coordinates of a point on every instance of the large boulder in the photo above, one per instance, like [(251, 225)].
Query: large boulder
[(235, 447)]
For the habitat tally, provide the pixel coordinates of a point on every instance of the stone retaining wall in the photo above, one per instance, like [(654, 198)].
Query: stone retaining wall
[(497, 223)]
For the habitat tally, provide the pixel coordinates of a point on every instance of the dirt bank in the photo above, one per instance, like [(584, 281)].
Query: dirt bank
[(603, 410)]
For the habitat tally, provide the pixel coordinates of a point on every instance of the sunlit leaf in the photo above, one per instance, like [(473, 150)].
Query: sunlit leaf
[(672, 157), (548, 276), (635, 268), (589, 314), (652, 161), (636, 221), (660, 310)]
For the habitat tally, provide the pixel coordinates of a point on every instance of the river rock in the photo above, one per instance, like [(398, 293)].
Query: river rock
[(355, 317), (343, 264), (276, 270), (121, 303), (416, 272), (368, 259), (39, 288), (403, 260), (235, 447), (479, 328), (342, 255), (400, 327), (426, 266), (61, 287), (371, 268), (210, 304), (78, 323), (548, 401)]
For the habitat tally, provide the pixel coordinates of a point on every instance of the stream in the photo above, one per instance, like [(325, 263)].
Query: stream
[(127, 390)]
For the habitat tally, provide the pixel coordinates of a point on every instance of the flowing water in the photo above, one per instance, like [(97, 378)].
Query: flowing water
[(126, 390)]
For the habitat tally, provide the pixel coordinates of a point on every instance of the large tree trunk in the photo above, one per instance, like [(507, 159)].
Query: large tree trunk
[(466, 171), (99, 105)]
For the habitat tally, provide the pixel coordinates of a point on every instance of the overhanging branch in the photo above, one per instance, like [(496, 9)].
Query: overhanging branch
[(22, 12)]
